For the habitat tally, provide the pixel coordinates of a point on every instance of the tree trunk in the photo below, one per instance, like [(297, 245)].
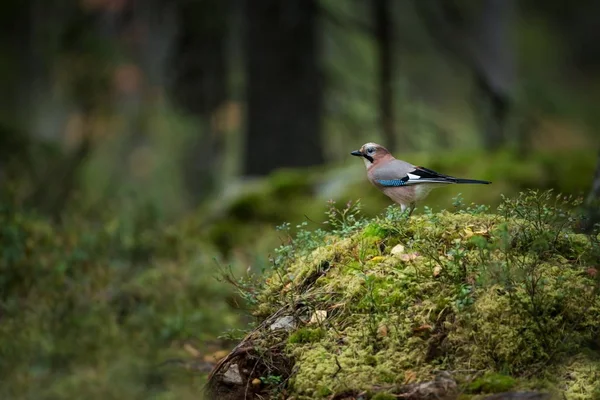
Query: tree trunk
[(88, 89), (492, 111), (200, 56), (200, 87), (15, 29), (493, 55), (479, 37), (16, 33), (383, 34), (284, 86)]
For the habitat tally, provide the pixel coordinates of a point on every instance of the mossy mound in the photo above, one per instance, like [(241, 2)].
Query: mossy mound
[(500, 301)]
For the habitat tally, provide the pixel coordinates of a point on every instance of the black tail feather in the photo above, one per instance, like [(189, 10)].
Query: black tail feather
[(428, 175), (459, 180)]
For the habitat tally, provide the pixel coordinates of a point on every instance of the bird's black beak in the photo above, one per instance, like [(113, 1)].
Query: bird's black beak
[(357, 153)]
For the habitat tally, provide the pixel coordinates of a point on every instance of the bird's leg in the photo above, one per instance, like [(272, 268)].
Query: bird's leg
[(412, 208)]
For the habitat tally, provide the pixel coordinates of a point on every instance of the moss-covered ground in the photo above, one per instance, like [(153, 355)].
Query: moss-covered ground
[(508, 300), (102, 307)]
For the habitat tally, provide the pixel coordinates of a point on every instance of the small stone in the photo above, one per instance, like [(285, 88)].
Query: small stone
[(443, 387), (287, 323), (397, 249), (318, 317), (232, 375)]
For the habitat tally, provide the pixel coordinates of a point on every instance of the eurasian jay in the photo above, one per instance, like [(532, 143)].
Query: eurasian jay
[(403, 182)]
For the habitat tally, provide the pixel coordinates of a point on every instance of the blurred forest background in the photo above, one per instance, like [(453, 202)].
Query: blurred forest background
[(147, 145)]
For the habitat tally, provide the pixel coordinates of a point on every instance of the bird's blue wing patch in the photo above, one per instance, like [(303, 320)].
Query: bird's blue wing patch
[(391, 182)]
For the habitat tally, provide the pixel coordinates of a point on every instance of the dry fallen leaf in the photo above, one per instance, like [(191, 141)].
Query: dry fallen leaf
[(409, 376), (382, 330), (216, 356), (437, 271), (423, 328)]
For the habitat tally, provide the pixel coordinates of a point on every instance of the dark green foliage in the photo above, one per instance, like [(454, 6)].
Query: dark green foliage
[(306, 335), (93, 307), (492, 383)]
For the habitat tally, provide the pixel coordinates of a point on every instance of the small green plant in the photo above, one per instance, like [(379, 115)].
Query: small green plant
[(342, 222), (247, 287), (271, 380), (233, 334), (458, 202), (346, 220), (543, 209), (393, 213), (464, 297)]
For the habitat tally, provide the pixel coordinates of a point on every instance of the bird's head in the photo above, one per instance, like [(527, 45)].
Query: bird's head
[(372, 153)]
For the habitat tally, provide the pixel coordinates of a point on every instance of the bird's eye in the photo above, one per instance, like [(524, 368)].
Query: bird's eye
[(371, 150)]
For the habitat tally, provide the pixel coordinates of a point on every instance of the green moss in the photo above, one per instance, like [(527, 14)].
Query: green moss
[(306, 335), (576, 245), (323, 391), (371, 360), (579, 376), (375, 231), (445, 301), (492, 383)]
